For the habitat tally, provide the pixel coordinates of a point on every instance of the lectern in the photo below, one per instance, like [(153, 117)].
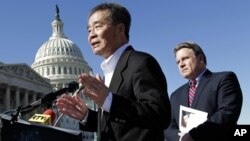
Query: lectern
[(22, 130)]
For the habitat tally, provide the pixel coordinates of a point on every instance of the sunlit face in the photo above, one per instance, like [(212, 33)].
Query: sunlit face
[(102, 34), (188, 64)]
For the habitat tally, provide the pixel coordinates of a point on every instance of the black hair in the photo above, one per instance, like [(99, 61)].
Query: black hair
[(118, 14)]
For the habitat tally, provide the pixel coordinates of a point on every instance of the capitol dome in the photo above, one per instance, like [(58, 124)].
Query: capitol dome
[(59, 59)]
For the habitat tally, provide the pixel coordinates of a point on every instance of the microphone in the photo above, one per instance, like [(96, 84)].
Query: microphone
[(53, 95), (51, 113), (48, 98), (81, 87), (47, 118)]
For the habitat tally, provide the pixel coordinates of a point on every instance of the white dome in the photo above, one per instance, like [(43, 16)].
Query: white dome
[(58, 48), (59, 59)]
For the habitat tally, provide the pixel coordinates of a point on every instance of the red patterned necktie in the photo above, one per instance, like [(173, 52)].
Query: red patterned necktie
[(192, 89)]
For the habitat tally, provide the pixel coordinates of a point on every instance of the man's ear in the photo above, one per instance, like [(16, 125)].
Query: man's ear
[(121, 28), (201, 60)]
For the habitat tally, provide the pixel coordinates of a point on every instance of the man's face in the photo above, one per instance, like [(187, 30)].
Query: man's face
[(102, 34), (188, 64)]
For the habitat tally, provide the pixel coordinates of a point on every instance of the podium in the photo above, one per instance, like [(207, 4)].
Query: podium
[(22, 130)]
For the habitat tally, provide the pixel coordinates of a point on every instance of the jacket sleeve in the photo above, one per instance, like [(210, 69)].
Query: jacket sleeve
[(91, 123)]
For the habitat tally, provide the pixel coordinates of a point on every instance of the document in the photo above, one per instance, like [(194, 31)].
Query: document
[(190, 118)]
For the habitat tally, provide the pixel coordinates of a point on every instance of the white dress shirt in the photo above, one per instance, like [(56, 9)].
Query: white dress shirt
[(108, 67)]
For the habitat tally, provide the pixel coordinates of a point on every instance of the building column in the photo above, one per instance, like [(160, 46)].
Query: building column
[(67, 68), (26, 97), (7, 97), (51, 70), (33, 97), (17, 97), (62, 69)]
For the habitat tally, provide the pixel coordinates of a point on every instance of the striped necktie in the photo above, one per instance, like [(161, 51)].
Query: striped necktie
[(192, 89)]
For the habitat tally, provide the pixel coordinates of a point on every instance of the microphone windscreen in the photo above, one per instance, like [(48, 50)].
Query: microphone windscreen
[(51, 113)]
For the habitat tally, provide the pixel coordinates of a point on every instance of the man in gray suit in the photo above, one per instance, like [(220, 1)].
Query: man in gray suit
[(133, 98), (217, 93)]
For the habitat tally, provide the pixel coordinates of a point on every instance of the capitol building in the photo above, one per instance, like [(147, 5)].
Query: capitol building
[(57, 63)]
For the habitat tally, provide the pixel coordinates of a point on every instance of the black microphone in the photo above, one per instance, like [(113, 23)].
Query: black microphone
[(50, 97), (53, 95)]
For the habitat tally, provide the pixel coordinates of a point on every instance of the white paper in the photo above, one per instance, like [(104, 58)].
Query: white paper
[(190, 118)]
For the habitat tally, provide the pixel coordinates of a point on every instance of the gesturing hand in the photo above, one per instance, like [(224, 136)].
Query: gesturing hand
[(72, 106), (95, 88)]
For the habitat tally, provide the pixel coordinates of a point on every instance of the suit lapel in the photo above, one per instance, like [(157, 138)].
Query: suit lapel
[(202, 84), (184, 97), (120, 67)]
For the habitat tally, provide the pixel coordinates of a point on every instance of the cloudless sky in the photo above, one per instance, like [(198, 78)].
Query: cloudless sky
[(220, 27)]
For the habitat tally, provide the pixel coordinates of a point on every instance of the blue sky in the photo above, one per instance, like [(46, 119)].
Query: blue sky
[(220, 27)]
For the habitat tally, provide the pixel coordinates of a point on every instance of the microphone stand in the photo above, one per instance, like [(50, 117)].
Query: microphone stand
[(15, 115)]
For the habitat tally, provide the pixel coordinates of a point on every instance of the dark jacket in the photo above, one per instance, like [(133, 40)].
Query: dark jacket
[(218, 94), (140, 109)]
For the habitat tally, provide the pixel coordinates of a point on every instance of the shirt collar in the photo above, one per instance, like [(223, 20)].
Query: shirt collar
[(198, 78), (109, 64)]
